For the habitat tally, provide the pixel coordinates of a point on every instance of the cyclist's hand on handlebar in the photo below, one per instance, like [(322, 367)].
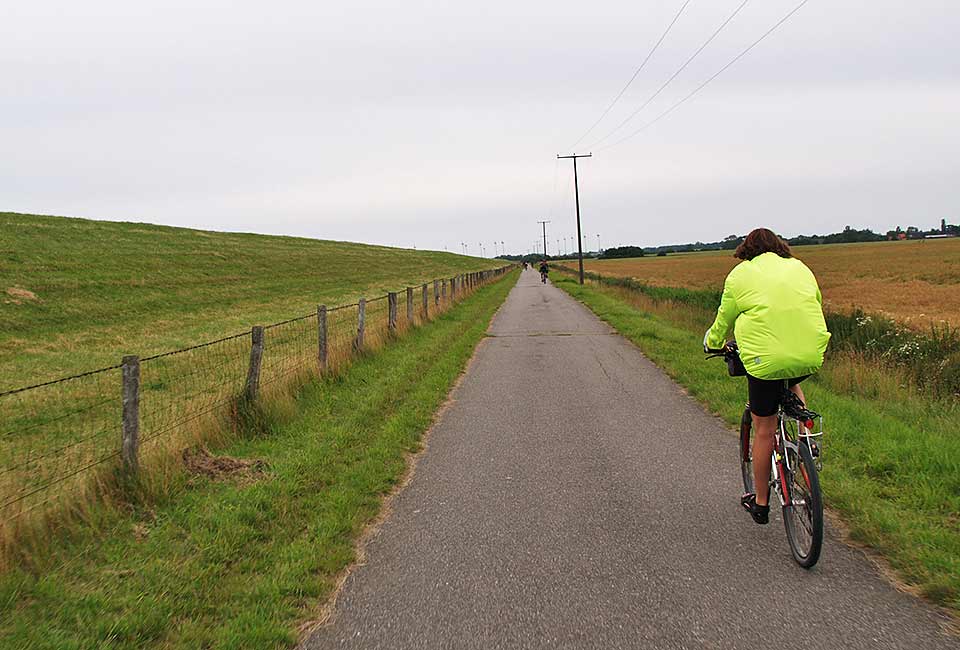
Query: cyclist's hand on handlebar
[(706, 348)]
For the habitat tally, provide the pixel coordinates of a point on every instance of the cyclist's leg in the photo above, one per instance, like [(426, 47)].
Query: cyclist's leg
[(794, 386), (764, 428), (764, 401), (796, 390)]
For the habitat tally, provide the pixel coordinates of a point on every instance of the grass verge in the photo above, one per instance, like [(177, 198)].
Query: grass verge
[(238, 558), (891, 468)]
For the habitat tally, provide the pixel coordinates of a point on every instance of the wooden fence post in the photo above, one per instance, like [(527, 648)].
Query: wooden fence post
[(443, 290), (392, 312), (130, 372), (409, 305), (361, 315), (426, 303), (256, 357), (436, 292), (322, 338)]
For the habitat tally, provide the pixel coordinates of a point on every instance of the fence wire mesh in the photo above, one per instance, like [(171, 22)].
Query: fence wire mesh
[(53, 437), (179, 390), (62, 439), (289, 349)]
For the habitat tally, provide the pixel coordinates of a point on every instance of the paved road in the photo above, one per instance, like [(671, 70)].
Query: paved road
[(573, 497)]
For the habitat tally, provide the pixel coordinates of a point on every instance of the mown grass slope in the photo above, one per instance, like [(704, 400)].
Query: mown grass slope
[(75, 294)]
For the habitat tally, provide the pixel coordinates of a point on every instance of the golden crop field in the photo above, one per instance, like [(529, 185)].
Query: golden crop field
[(915, 282)]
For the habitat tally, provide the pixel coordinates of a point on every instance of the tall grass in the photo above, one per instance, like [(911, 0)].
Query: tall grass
[(930, 360)]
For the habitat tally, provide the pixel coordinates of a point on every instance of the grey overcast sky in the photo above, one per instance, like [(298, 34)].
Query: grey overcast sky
[(428, 124)]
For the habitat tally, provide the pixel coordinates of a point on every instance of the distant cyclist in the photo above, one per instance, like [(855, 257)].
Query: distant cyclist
[(772, 303), (544, 270)]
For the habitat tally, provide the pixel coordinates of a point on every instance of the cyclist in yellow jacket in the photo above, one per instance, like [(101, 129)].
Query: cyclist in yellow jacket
[(772, 303)]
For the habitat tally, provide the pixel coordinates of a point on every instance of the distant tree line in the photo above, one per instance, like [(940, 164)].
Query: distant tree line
[(847, 236)]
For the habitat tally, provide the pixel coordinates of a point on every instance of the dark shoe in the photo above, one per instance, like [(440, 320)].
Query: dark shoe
[(760, 514)]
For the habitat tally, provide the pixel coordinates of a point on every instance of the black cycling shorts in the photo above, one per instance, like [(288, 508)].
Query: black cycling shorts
[(765, 393)]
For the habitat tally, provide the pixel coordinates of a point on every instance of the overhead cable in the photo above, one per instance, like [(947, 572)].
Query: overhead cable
[(711, 78), (674, 75), (655, 47)]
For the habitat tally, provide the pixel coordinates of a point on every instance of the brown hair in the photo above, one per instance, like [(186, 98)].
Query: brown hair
[(761, 241)]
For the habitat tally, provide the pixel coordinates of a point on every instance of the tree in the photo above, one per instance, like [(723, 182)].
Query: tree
[(622, 251)]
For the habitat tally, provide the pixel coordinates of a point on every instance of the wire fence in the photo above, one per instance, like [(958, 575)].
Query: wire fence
[(65, 440)]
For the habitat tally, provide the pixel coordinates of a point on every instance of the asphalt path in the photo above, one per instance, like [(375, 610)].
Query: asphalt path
[(572, 496)]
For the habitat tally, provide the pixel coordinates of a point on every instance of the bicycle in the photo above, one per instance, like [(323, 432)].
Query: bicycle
[(543, 277), (795, 469)]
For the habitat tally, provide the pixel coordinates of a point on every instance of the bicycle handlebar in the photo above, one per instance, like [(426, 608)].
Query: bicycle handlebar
[(730, 347)]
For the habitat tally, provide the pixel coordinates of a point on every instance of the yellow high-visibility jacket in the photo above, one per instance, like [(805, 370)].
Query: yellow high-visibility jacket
[(775, 309)]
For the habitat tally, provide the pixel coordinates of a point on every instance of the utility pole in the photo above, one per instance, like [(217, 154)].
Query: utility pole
[(598, 244), (576, 193), (544, 224)]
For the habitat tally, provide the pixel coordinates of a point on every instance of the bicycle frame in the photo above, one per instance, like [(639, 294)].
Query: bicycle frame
[(784, 443)]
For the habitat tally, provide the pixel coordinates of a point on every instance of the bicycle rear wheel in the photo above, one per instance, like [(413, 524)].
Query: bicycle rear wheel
[(803, 517), (746, 454)]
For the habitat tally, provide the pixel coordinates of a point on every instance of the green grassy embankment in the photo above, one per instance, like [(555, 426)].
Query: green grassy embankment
[(240, 561), (892, 456), (77, 294)]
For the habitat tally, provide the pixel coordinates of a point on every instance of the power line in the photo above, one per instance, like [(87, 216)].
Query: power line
[(638, 70), (712, 77), (675, 74)]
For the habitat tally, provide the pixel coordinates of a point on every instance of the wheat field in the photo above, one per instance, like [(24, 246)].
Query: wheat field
[(915, 282)]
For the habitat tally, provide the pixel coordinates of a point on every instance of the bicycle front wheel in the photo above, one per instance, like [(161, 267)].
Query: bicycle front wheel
[(803, 517)]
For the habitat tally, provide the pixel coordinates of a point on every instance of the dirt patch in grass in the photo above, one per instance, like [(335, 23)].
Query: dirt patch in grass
[(200, 462), (18, 296)]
